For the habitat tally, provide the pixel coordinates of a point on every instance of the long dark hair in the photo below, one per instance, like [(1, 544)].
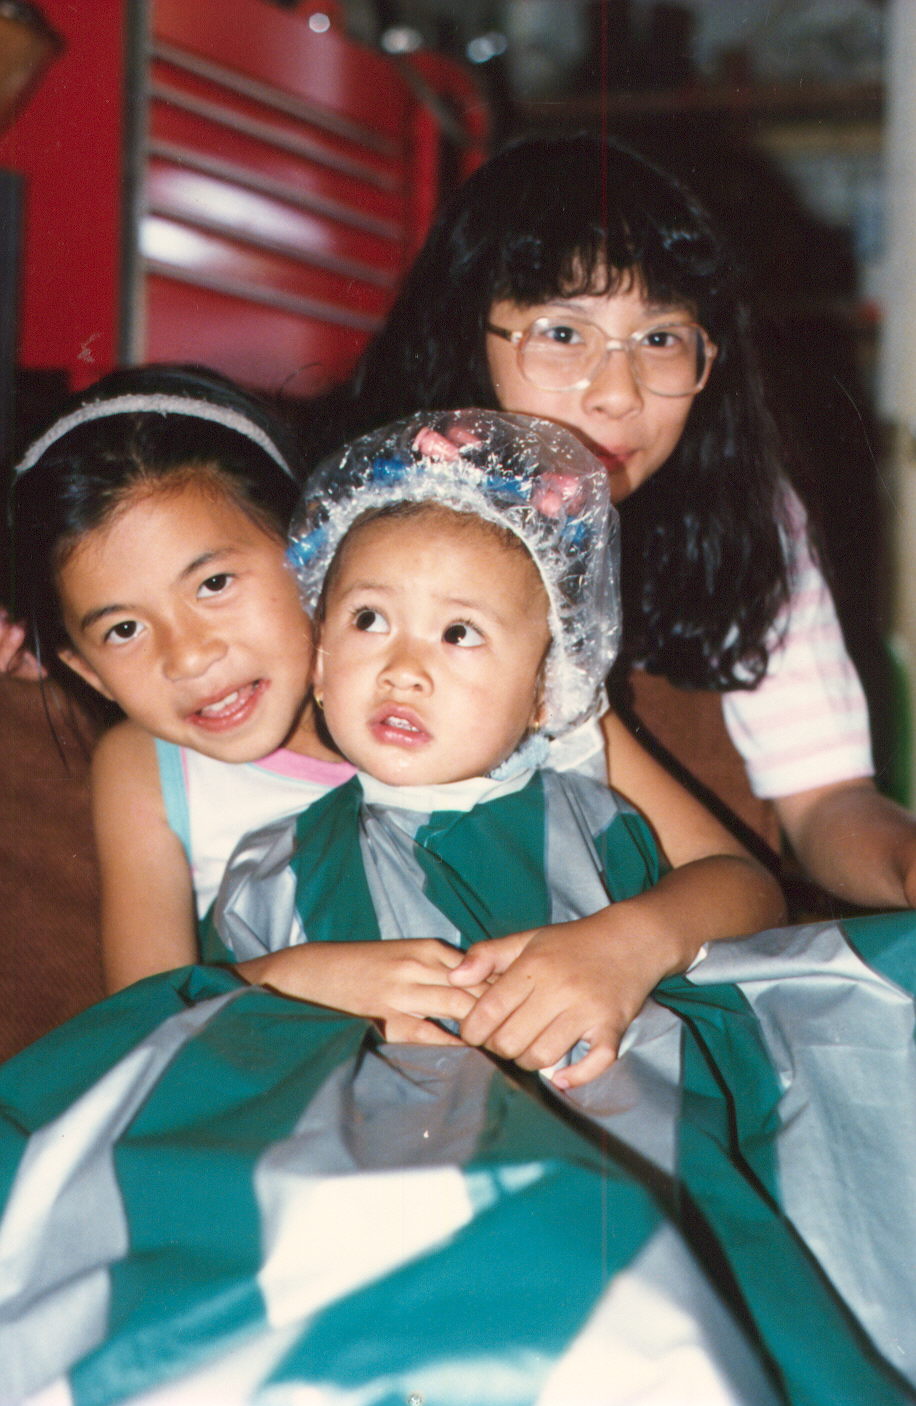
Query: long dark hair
[(82, 478), (704, 569)]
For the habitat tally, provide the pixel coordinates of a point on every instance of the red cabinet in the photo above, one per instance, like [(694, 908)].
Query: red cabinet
[(218, 182)]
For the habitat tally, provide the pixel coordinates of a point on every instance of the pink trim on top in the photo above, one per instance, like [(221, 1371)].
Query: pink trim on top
[(284, 762)]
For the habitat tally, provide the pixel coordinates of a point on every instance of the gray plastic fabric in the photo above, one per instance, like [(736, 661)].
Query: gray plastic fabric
[(527, 475)]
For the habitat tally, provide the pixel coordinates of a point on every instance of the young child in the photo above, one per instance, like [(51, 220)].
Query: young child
[(557, 283), (148, 523), (149, 529), (462, 572)]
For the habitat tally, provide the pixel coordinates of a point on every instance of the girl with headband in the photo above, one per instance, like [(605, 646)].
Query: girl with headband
[(571, 279), (148, 525)]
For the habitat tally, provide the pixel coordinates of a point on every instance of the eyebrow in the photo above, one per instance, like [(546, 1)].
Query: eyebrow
[(480, 607), (652, 309), (92, 617)]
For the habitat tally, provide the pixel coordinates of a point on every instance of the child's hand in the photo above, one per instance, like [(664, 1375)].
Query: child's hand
[(550, 988), (14, 659), (402, 985)]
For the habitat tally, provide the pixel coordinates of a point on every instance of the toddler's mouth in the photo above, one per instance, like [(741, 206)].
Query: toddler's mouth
[(402, 723), (398, 725)]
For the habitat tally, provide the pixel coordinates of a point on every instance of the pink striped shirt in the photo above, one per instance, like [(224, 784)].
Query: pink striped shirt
[(806, 724)]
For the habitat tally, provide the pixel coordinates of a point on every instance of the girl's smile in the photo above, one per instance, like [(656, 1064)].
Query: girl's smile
[(181, 610), (230, 709), (629, 429)]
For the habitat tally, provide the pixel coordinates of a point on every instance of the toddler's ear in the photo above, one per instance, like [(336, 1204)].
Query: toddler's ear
[(318, 668), (539, 711), (79, 666)]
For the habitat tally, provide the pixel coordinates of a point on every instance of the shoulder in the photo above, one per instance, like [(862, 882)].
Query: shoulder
[(796, 537), (125, 769), (127, 749)]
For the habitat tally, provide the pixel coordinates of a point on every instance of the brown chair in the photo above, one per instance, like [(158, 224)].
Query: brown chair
[(50, 961)]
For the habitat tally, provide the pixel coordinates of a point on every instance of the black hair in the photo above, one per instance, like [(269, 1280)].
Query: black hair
[(704, 570), (83, 477)]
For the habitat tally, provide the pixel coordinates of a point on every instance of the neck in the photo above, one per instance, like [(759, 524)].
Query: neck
[(305, 738)]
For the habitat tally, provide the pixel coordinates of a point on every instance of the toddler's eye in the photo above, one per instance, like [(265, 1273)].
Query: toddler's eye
[(214, 584), (464, 635), (372, 621), (122, 632)]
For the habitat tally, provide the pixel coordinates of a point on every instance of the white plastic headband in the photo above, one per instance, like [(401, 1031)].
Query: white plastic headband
[(153, 404)]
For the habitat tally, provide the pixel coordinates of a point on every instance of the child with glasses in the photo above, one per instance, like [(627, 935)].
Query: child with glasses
[(573, 280)]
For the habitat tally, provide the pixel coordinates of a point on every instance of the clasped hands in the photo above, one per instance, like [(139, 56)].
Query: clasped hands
[(529, 997)]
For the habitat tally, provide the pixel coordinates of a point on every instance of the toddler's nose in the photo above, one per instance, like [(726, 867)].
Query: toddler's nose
[(405, 668)]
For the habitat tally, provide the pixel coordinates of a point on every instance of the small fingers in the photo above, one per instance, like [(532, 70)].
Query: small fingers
[(488, 959), (435, 1002), (532, 1040), (491, 1012), (573, 1076), (412, 1030), (476, 967)]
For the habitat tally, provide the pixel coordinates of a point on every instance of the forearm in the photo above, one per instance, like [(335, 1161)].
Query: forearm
[(133, 950), (709, 899), (855, 843), (292, 971)]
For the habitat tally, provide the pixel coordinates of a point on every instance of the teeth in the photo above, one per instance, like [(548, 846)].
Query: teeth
[(402, 723), (220, 707)]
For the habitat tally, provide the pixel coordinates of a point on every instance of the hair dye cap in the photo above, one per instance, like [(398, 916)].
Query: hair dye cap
[(524, 474)]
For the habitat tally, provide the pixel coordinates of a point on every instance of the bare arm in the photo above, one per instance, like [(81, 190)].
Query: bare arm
[(592, 975), (854, 842), (682, 825), (148, 922)]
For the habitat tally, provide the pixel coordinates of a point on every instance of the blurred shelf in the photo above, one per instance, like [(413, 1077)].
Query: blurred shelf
[(801, 100)]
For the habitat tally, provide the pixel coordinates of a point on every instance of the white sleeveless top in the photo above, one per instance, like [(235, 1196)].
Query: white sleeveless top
[(211, 804)]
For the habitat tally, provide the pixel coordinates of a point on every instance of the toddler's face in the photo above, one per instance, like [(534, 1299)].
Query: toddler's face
[(181, 610), (431, 649)]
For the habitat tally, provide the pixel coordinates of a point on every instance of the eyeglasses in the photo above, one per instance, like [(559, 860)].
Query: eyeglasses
[(567, 353)]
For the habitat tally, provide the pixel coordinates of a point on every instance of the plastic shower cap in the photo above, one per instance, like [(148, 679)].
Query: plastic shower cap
[(527, 475)]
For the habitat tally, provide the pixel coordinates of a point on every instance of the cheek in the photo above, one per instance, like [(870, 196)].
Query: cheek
[(508, 383), (282, 607), (342, 670), (673, 423)]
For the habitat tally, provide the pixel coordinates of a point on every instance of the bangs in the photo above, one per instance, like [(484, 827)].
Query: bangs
[(607, 226)]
